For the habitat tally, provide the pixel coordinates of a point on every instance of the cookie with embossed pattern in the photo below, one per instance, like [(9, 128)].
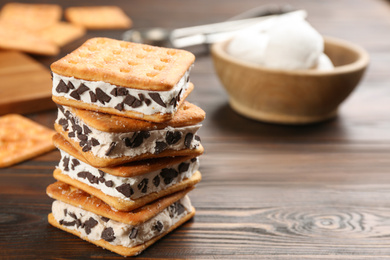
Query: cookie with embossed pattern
[(124, 78), (125, 233), (106, 140)]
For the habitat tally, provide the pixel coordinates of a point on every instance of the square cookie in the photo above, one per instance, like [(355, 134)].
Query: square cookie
[(105, 140), (125, 233), (31, 16), (123, 78), (22, 139), (61, 33), (98, 17), (14, 37), (130, 185)]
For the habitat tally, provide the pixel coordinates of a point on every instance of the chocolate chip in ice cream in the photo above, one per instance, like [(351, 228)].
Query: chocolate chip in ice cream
[(75, 95), (125, 189), (89, 224), (180, 208), (70, 85), (141, 97), (136, 103), (122, 92), (173, 101), (82, 175), (105, 219), (82, 137), (134, 232), (75, 163), (114, 92), (82, 88), (160, 147), (143, 185), (148, 101), (72, 215), (77, 129), (108, 234), (119, 107), (64, 123), (67, 223), (157, 98), (156, 181), (86, 129), (62, 87), (86, 148), (158, 226), (66, 163), (102, 97), (94, 142), (188, 140), (183, 167), (109, 183), (168, 174), (93, 97), (71, 134), (172, 137), (111, 148), (129, 100)]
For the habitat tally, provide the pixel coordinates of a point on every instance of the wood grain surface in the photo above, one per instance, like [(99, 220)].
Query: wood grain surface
[(268, 191), (25, 84)]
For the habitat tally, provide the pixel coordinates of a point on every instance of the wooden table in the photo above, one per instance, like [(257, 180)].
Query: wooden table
[(268, 191)]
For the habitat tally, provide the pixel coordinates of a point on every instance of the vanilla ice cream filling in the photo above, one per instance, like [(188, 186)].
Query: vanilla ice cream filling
[(123, 99), (95, 227), (114, 145), (127, 188)]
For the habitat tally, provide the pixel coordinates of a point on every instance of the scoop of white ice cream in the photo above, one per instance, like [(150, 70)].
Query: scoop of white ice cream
[(324, 63), (284, 42)]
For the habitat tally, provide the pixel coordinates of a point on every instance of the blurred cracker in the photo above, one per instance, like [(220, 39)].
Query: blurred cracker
[(13, 37), (98, 17), (61, 33), (22, 139), (31, 16)]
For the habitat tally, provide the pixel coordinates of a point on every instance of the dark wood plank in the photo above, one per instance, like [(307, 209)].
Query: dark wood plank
[(268, 191)]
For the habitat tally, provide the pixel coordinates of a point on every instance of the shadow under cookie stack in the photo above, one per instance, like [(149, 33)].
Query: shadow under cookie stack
[(128, 143)]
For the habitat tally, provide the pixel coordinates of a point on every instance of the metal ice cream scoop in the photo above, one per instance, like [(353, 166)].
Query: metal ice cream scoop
[(203, 34)]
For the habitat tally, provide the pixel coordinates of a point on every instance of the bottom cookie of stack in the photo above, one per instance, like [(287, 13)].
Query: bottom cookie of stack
[(125, 233)]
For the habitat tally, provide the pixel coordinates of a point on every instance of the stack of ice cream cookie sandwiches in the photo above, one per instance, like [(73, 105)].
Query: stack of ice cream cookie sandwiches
[(128, 142)]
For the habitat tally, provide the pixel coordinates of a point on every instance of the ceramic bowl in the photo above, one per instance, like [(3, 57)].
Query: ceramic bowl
[(291, 97)]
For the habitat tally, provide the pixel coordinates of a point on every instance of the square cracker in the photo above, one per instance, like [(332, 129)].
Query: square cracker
[(156, 117), (61, 33), (125, 170), (79, 198), (98, 17), (188, 114), (13, 37), (127, 205), (22, 139), (124, 251), (126, 64), (100, 162), (31, 16)]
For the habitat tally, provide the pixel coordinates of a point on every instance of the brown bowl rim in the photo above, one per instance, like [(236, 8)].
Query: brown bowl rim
[(218, 49)]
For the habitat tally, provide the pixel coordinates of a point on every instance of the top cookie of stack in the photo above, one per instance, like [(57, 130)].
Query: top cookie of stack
[(146, 82)]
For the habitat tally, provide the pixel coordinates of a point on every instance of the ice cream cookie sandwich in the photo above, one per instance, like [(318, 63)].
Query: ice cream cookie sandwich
[(123, 78), (127, 186), (108, 140), (125, 233)]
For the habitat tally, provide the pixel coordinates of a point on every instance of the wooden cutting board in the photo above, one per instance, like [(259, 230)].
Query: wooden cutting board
[(25, 85)]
